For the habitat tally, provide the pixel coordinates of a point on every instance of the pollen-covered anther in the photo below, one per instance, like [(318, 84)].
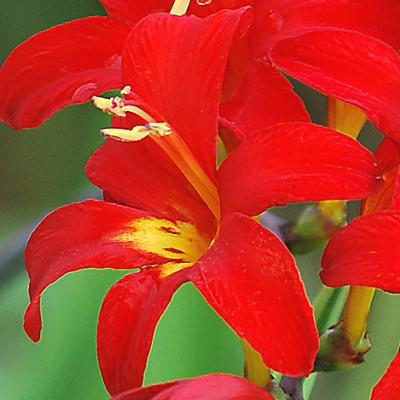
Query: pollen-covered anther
[(119, 107), (114, 106), (138, 132)]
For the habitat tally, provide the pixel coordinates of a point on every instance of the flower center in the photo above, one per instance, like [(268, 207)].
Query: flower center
[(167, 138)]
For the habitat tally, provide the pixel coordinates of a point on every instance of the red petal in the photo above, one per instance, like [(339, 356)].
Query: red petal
[(251, 280), (144, 393), (142, 176), (389, 386), (365, 253), (134, 10), (288, 18), (210, 387), (345, 65), (264, 98), (176, 65), (127, 321), (65, 65), (295, 162), (88, 235), (388, 196), (387, 155)]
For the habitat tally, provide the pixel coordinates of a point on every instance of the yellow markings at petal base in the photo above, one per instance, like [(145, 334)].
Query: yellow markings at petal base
[(176, 241), (345, 118), (172, 268)]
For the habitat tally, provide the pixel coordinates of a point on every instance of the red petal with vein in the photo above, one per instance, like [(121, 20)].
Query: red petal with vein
[(127, 321), (295, 162), (251, 280), (142, 176), (389, 386), (210, 387), (345, 65), (288, 18), (75, 237), (176, 65), (365, 253), (264, 98), (65, 65)]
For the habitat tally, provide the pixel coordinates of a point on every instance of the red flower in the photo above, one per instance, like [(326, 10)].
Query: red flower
[(57, 67), (166, 199), (366, 252), (389, 386), (347, 50), (69, 64), (211, 387)]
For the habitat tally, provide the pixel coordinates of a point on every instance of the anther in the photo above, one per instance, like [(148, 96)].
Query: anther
[(138, 132)]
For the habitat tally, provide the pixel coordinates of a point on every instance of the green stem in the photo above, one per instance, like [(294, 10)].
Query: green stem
[(328, 307)]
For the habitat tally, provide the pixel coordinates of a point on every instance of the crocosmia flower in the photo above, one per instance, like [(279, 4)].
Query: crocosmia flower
[(211, 387), (58, 67), (173, 216)]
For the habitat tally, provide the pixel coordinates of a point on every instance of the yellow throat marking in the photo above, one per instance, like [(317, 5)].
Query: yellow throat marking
[(177, 241)]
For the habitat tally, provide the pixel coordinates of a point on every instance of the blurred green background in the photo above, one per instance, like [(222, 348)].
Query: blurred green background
[(43, 169)]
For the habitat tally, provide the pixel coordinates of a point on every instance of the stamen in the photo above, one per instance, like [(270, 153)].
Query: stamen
[(180, 7), (138, 132), (174, 147)]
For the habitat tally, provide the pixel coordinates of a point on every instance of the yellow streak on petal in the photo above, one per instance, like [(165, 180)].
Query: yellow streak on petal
[(177, 241)]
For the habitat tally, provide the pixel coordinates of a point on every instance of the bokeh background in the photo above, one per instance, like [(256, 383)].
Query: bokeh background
[(43, 169)]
